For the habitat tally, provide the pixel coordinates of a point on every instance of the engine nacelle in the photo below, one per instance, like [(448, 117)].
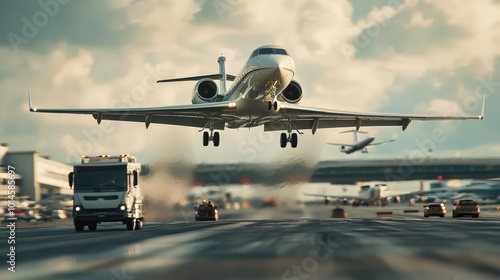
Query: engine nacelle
[(205, 91), (292, 93)]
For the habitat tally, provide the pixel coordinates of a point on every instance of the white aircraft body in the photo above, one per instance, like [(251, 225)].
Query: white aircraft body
[(263, 93), (368, 195), (358, 145)]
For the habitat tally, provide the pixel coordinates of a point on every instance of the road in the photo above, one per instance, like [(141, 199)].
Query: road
[(272, 243)]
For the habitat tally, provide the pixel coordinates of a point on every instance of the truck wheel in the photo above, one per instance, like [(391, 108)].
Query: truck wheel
[(131, 224), (93, 226), (138, 224), (79, 226)]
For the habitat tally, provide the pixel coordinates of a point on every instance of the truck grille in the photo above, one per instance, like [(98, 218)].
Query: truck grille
[(105, 197)]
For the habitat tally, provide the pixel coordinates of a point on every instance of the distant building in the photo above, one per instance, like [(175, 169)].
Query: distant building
[(38, 177)]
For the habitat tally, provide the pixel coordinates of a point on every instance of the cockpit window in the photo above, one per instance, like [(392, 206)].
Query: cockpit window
[(266, 51), (255, 53), (280, 51)]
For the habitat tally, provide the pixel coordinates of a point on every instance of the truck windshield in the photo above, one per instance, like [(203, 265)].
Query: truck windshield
[(101, 179)]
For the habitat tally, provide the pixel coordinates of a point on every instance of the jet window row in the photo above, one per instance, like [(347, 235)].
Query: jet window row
[(268, 51)]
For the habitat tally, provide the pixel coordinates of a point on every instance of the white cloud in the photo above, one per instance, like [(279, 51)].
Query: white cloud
[(418, 19)]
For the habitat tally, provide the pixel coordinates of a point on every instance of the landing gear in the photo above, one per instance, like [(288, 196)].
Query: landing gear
[(272, 105), (213, 136), (291, 138), (207, 138)]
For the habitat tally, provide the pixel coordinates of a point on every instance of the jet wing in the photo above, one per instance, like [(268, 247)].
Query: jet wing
[(339, 144), (380, 143), (196, 115), (335, 196), (393, 194), (314, 118)]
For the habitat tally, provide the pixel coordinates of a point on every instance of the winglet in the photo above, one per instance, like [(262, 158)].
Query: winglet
[(29, 100), (482, 111)]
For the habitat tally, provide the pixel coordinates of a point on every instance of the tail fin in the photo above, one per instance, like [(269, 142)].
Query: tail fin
[(355, 133), (222, 73)]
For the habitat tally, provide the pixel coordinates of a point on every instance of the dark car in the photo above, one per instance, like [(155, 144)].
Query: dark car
[(206, 212), (466, 207), (339, 213)]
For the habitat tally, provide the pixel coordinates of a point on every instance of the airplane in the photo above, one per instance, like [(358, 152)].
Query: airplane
[(262, 94), (358, 145), (368, 195)]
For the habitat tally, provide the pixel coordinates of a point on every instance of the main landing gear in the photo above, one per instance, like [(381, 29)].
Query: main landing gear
[(291, 138), (213, 136)]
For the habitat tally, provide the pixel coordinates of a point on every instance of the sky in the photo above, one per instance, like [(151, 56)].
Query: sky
[(423, 57)]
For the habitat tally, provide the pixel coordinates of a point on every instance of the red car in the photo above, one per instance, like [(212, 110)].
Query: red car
[(206, 212), (339, 213)]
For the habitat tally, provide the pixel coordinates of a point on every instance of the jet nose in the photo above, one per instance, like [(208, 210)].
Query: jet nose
[(285, 65), (285, 68)]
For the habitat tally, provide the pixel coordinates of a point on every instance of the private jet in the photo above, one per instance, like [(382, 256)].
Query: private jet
[(358, 145), (264, 93)]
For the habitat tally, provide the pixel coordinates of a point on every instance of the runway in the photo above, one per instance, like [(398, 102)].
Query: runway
[(272, 243)]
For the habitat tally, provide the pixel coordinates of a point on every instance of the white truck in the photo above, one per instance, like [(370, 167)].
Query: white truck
[(106, 189)]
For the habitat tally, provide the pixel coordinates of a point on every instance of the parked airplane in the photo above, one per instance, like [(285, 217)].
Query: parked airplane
[(368, 195), (263, 93), (358, 145)]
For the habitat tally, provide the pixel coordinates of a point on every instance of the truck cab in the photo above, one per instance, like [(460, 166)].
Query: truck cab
[(106, 189)]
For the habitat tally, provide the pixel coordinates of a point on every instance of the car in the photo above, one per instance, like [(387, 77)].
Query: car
[(270, 202), (466, 207), (338, 212), (206, 212), (434, 209)]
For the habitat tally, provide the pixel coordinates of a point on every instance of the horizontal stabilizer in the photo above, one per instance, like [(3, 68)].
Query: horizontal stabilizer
[(352, 130), (197, 78)]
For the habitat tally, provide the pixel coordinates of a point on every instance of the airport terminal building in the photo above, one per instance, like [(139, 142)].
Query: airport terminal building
[(37, 177)]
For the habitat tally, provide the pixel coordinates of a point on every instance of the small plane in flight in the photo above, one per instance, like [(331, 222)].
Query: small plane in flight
[(358, 145), (262, 94), (368, 195)]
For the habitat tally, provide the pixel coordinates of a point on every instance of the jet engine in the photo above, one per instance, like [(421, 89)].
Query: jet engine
[(204, 91), (342, 149), (292, 93)]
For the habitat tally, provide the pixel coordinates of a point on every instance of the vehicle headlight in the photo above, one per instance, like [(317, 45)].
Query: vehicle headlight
[(78, 208), (123, 207)]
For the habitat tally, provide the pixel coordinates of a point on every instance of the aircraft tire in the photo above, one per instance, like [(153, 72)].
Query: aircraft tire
[(295, 140), (283, 139), (205, 139), (216, 139)]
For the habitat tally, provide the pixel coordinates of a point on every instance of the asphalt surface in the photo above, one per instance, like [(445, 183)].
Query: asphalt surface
[(272, 243)]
